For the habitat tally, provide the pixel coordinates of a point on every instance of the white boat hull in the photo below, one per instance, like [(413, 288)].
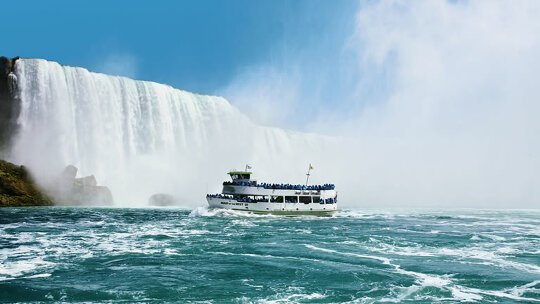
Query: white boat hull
[(272, 207)]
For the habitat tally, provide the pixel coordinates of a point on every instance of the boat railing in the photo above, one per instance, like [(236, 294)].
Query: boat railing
[(246, 199), (239, 198), (220, 196), (281, 186)]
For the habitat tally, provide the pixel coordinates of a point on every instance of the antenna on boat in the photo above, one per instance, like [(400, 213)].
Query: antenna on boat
[(307, 174)]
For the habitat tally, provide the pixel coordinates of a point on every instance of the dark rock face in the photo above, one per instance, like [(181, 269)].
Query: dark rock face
[(9, 102), (71, 190), (70, 172), (18, 189), (162, 199)]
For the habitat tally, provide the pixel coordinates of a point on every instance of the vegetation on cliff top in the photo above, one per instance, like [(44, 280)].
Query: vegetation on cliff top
[(18, 189)]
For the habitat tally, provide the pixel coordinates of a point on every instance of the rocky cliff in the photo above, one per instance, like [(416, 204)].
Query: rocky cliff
[(80, 191), (18, 189), (9, 102)]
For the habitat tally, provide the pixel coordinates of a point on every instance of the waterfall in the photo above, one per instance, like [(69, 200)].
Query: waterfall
[(139, 137)]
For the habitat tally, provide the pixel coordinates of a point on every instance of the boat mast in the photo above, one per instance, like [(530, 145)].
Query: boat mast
[(307, 174)]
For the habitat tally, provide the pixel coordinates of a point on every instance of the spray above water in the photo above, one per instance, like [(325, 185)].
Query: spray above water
[(140, 138)]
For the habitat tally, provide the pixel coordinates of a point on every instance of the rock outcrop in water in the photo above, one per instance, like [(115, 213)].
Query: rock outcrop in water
[(9, 102), (18, 189), (162, 200), (71, 190)]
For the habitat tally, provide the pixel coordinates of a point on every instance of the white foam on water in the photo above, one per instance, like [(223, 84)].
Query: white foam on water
[(443, 282), (121, 243), (244, 223), (24, 237), (475, 237), (349, 242), (493, 237), (171, 232), (463, 296), (10, 226), (425, 280), (487, 256), (153, 231), (87, 255), (19, 251), (363, 214), (194, 232), (14, 269), (92, 223), (404, 292), (267, 256), (507, 250), (459, 293), (303, 231), (169, 251), (248, 282), (385, 261), (386, 249), (41, 275), (462, 293), (216, 212), (520, 290), (499, 294), (291, 297)]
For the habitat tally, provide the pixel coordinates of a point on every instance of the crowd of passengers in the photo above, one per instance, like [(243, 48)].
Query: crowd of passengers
[(297, 187), (246, 199), (243, 199), (282, 186), (220, 196)]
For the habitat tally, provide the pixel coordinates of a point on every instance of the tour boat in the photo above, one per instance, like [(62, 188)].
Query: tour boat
[(245, 194)]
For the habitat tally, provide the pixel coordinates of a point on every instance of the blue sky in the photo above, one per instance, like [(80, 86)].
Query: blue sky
[(198, 46)]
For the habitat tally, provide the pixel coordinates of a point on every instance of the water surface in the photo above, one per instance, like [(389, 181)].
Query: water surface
[(201, 256)]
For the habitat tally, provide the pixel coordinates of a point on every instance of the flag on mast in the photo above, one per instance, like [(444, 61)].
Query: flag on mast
[(248, 167), (307, 174)]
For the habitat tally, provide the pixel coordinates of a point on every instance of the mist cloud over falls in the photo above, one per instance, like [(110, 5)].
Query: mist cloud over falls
[(436, 103), (140, 138)]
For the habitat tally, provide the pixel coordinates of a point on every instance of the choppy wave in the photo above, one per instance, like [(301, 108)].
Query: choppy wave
[(215, 256)]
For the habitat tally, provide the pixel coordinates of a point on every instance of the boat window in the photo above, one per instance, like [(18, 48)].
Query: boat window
[(276, 199), (260, 199), (305, 199), (234, 176), (316, 199), (291, 199)]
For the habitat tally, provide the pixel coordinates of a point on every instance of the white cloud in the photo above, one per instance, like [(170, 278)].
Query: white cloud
[(459, 126), (444, 107), (266, 94), (119, 64)]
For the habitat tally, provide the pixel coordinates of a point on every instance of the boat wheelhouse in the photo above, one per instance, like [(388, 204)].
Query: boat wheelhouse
[(244, 194)]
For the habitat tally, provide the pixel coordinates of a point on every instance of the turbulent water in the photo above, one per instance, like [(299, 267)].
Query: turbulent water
[(173, 255), (138, 137)]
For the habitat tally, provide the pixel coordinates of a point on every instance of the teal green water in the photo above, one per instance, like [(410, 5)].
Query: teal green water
[(201, 256)]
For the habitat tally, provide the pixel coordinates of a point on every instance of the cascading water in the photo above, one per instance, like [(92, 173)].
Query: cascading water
[(139, 137)]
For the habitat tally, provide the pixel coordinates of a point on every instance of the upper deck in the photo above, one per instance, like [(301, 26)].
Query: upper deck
[(242, 184)]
